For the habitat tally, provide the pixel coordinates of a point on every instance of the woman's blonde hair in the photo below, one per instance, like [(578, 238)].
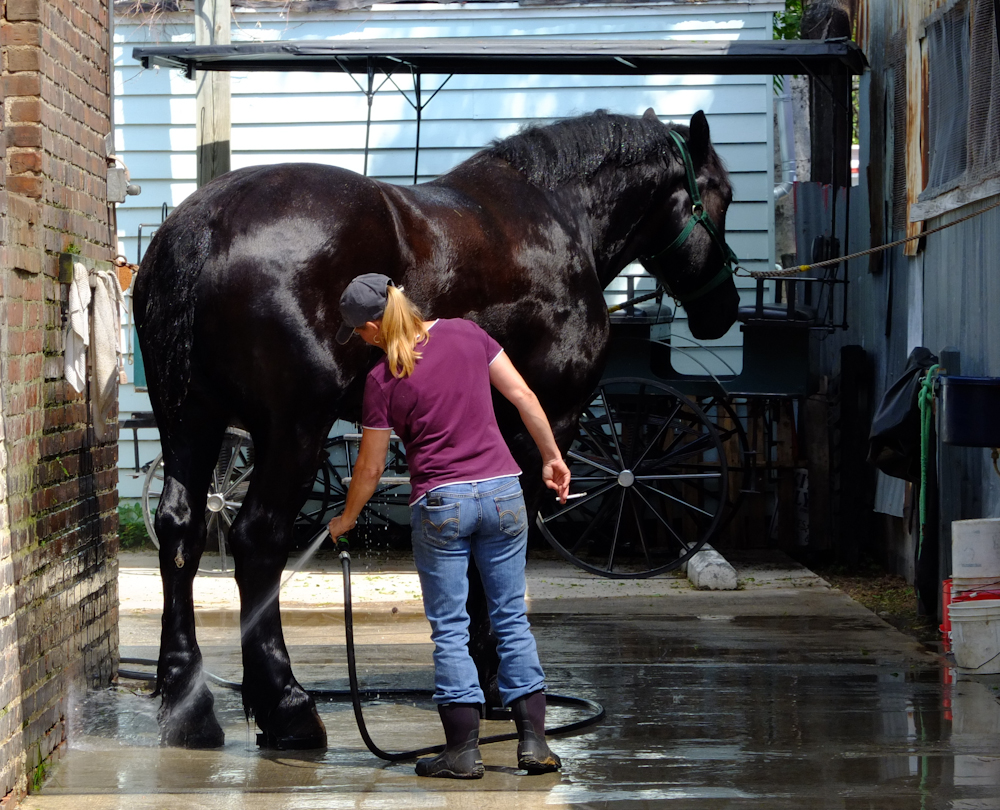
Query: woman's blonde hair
[(402, 331)]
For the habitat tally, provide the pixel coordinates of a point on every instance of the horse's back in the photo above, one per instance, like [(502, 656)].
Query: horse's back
[(260, 255)]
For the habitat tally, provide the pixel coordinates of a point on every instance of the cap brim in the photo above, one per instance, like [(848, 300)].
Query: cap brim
[(344, 333)]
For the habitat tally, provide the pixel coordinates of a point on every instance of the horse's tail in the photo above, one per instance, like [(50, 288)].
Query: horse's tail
[(164, 302)]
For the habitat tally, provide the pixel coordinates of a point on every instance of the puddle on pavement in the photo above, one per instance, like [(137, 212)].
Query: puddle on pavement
[(705, 711)]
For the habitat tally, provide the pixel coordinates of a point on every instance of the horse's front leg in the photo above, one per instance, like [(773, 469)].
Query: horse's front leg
[(186, 715), (259, 539)]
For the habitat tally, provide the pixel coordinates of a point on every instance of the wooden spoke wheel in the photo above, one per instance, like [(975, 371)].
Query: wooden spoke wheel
[(323, 499), (650, 470), (226, 491)]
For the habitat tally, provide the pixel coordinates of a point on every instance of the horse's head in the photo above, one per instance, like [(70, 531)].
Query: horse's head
[(684, 233)]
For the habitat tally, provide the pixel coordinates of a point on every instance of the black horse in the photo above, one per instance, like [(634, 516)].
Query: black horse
[(236, 305)]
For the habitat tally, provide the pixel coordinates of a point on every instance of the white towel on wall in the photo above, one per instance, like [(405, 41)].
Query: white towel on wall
[(78, 328), (105, 341)]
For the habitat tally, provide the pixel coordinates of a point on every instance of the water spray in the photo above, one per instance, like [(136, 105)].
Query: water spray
[(356, 693)]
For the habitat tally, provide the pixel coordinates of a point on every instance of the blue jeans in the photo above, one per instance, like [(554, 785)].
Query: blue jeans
[(487, 521)]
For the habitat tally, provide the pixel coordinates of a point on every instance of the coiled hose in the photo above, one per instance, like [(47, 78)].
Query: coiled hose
[(355, 693)]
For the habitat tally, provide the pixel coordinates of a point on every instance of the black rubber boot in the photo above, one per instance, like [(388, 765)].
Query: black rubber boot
[(460, 758), (533, 753)]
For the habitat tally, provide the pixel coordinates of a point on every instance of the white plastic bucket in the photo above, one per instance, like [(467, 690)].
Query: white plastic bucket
[(963, 584), (975, 548), (975, 635)]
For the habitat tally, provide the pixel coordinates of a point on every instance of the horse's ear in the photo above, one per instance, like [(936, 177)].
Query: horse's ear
[(650, 114), (699, 139)]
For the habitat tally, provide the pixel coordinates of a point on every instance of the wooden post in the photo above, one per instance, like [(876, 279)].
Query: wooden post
[(786, 463), (856, 475), (817, 453), (212, 118)]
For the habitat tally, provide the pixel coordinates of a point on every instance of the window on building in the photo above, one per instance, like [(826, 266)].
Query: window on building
[(963, 99), (947, 98)]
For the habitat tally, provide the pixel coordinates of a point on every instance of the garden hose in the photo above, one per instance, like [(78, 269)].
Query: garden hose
[(925, 401), (355, 693)]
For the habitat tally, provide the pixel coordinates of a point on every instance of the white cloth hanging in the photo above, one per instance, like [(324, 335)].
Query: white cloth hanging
[(106, 344), (78, 328), (94, 322)]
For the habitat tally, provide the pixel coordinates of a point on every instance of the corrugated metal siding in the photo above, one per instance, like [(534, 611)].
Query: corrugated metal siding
[(948, 295), (321, 117), (962, 310)]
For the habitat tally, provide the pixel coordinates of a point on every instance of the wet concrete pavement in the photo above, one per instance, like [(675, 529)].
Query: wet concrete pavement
[(783, 694)]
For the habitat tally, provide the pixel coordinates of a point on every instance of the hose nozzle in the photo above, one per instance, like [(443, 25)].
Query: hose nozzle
[(344, 547)]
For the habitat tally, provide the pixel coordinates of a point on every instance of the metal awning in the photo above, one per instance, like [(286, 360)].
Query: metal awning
[(521, 55)]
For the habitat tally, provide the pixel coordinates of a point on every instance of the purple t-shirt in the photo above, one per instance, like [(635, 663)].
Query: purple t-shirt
[(443, 411)]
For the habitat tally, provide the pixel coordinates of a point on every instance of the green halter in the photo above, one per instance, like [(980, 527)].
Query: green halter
[(699, 216)]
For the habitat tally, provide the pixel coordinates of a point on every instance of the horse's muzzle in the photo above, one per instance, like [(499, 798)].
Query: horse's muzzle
[(711, 316)]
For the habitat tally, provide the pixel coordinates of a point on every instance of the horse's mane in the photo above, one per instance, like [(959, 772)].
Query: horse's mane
[(577, 148)]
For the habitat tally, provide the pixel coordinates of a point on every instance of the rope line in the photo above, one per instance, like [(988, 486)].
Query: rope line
[(791, 271)]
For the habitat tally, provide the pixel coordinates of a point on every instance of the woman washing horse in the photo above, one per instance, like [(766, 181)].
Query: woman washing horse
[(433, 388)]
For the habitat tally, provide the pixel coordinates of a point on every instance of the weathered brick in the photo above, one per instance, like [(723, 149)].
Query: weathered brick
[(25, 162), (24, 135), (17, 34), (24, 59), (23, 84), (24, 10)]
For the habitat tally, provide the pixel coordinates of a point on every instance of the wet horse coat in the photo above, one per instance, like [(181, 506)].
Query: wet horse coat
[(237, 306)]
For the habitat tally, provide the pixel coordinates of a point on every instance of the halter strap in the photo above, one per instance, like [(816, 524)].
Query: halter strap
[(698, 216)]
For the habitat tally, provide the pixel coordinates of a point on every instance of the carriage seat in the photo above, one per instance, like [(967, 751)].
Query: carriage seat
[(650, 321), (792, 305), (801, 313)]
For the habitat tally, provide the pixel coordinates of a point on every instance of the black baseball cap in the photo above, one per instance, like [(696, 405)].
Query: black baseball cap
[(362, 301)]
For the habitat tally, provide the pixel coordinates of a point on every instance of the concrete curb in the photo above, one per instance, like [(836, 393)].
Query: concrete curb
[(710, 571)]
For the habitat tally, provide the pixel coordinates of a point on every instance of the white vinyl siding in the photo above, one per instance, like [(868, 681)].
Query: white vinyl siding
[(320, 117)]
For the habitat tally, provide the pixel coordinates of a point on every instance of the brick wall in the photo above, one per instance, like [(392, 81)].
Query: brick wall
[(58, 484)]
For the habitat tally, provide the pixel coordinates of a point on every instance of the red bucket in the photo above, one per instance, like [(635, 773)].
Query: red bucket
[(975, 596), (945, 626)]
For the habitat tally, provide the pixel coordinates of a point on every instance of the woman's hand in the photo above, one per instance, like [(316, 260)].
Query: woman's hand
[(556, 476), (339, 526)]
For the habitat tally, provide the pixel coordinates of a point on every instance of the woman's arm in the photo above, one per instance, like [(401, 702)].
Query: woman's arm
[(509, 382), (367, 472)]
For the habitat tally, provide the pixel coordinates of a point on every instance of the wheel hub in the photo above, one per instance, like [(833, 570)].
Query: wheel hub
[(626, 478), (216, 503)]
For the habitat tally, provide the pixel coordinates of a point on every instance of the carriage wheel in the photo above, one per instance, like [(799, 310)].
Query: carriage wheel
[(387, 513), (724, 416), (323, 496), (651, 470), (226, 490)]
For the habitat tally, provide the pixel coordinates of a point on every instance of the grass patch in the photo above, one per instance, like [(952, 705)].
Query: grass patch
[(888, 596), (132, 534)]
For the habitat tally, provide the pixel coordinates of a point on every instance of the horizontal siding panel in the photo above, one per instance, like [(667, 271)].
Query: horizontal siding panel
[(618, 23), (173, 138), (499, 104), (463, 136)]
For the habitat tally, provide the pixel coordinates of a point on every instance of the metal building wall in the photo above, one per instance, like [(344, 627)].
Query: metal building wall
[(945, 294)]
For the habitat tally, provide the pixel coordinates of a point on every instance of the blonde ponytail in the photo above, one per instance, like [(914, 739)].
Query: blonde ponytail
[(402, 331)]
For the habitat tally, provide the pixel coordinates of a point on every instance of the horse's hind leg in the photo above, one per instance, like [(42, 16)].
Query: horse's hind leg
[(186, 716), (260, 538)]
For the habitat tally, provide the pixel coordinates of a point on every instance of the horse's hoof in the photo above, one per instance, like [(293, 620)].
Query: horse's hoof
[(196, 727), (299, 730)]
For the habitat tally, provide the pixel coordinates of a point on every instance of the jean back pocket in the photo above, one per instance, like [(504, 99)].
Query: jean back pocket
[(440, 524), (512, 513)]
